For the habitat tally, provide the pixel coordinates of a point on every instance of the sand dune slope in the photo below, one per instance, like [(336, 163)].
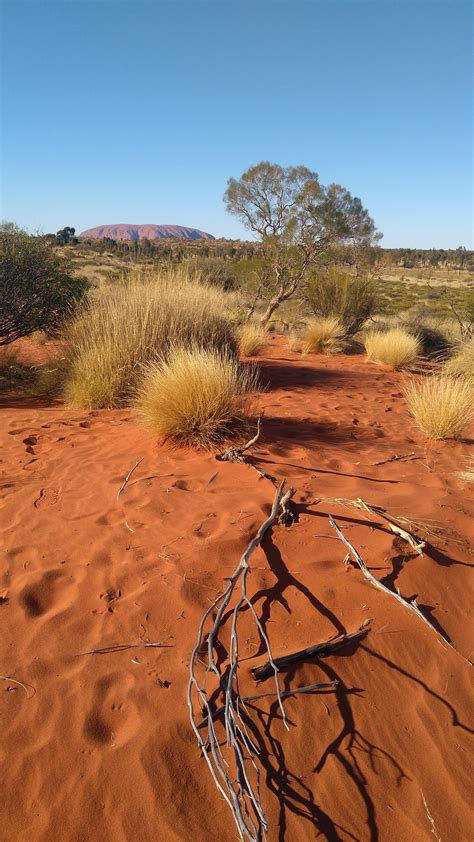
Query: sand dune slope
[(99, 747)]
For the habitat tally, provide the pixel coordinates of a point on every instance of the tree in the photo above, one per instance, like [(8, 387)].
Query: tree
[(65, 235), (297, 219), (37, 288)]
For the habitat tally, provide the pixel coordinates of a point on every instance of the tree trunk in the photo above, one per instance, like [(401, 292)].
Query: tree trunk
[(282, 295)]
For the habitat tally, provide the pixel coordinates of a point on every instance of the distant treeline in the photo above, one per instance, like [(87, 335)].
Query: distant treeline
[(176, 250)]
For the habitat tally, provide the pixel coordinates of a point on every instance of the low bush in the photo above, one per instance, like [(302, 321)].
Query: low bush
[(217, 271), (196, 397), (251, 340), (442, 406), (126, 325), (394, 347), (38, 290), (350, 299), (431, 335), (323, 336), (14, 374), (462, 364)]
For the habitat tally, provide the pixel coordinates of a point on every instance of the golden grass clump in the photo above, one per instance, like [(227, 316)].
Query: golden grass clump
[(196, 397), (128, 324), (251, 340), (462, 364), (396, 347), (295, 344), (442, 406), (323, 335)]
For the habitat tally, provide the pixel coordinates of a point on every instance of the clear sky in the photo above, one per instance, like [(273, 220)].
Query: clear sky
[(139, 112)]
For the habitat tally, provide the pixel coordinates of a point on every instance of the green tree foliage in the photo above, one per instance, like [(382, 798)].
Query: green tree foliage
[(65, 235), (37, 288), (350, 298), (296, 219)]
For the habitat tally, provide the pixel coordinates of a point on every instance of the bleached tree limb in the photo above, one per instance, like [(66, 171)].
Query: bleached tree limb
[(410, 604), (233, 779)]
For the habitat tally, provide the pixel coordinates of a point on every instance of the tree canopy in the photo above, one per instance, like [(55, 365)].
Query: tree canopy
[(296, 219)]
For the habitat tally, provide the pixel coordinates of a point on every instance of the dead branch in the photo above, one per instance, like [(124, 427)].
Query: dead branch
[(321, 650), (132, 469), (233, 781), (309, 688), (410, 604), (236, 454), (396, 524)]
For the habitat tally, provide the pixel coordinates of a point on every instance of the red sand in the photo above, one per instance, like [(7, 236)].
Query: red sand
[(99, 750)]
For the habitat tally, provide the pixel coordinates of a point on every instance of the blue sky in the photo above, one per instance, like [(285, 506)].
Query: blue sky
[(139, 111)]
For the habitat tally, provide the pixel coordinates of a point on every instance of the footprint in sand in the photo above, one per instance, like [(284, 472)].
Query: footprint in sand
[(113, 718)]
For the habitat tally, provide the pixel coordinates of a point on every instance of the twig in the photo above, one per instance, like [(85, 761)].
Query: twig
[(124, 484), (15, 681), (430, 818), (397, 458), (121, 647), (321, 650), (309, 688), (234, 782), (410, 604)]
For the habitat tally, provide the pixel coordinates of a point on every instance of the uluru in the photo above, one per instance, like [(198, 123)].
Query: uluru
[(139, 232)]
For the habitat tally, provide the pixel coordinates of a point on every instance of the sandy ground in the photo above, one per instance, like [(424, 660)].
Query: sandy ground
[(99, 747)]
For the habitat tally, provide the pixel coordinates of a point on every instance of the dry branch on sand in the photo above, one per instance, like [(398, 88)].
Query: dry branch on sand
[(320, 650), (235, 783), (396, 524), (410, 604)]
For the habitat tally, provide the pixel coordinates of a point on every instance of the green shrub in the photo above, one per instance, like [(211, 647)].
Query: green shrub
[(38, 291), (350, 299), (216, 271)]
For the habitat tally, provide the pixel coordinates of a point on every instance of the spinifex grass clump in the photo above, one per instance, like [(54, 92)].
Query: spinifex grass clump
[(295, 344), (126, 325), (251, 340), (442, 406), (323, 335), (196, 397), (462, 364), (395, 348)]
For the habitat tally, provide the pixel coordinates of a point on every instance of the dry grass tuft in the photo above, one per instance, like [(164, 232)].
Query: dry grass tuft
[(295, 343), (323, 335), (442, 406), (396, 347), (251, 340), (129, 324), (462, 364), (197, 397)]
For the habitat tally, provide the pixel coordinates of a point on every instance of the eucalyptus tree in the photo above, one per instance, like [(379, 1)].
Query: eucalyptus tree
[(296, 219)]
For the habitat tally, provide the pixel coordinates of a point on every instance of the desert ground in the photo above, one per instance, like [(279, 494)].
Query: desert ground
[(99, 746)]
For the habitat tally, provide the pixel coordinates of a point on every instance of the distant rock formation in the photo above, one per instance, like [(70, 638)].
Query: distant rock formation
[(140, 232)]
